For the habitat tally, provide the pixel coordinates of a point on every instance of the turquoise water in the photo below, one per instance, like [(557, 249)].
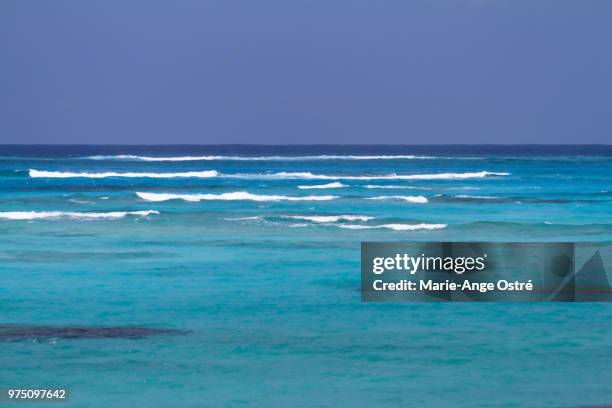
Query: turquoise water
[(263, 273)]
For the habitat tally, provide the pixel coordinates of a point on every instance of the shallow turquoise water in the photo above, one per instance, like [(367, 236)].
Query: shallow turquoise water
[(271, 298)]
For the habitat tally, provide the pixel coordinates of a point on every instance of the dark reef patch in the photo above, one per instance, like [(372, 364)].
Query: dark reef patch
[(15, 332)]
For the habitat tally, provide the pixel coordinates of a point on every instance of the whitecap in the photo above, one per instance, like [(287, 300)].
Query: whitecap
[(62, 174), (329, 185), (409, 199), (396, 227), (233, 196), (265, 176), (310, 176), (329, 218), (257, 158), (74, 200), (34, 215)]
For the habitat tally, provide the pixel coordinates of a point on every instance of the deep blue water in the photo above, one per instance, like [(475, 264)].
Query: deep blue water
[(234, 244)]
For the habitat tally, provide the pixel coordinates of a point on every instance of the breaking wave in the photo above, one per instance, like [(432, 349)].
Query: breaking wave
[(233, 196), (329, 185), (266, 176), (257, 158), (329, 218), (393, 176), (61, 174), (396, 227), (409, 199), (35, 215)]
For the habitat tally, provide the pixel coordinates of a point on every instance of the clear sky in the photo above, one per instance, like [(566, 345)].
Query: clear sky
[(299, 71)]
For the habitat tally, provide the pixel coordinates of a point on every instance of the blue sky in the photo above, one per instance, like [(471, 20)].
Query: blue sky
[(283, 72)]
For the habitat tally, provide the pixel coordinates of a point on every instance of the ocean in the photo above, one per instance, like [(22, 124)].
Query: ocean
[(252, 254)]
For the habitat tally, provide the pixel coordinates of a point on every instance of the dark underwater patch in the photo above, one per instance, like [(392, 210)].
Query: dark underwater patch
[(25, 332)]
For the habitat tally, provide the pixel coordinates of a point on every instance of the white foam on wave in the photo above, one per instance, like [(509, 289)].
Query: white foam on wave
[(74, 200), (328, 185), (34, 215), (62, 174), (170, 159), (265, 176), (258, 158), (233, 196), (396, 227), (329, 218), (310, 176), (409, 199)]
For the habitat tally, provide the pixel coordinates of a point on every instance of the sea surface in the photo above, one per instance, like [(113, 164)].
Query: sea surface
[(252, 254)]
